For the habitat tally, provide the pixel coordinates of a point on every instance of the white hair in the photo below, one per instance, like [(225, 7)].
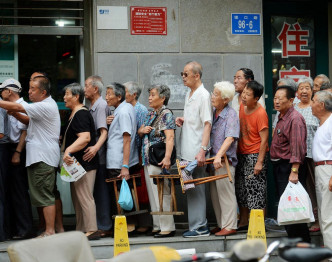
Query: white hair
[(226, 88), (305, 80)]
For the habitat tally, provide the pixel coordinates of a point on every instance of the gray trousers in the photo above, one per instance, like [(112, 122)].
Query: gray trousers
[(196, 202)]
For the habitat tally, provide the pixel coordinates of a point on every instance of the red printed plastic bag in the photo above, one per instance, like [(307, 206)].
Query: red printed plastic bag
[(295, 206)]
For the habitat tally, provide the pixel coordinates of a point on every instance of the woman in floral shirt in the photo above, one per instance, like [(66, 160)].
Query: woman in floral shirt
[(159, 127)]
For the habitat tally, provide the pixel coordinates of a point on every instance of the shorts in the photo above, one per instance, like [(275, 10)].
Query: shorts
[(41, 177), (250, 189)]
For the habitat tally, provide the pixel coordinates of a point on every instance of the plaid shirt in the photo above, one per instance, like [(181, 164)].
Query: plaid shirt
[(289, 139)]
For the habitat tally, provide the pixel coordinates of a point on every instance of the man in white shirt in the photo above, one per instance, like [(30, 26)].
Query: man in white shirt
[(18, 180), (195, 136), (241, 78), (322, 156), (42, 146)]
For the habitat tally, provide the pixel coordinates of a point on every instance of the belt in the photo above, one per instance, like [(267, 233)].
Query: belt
[(325, 162)]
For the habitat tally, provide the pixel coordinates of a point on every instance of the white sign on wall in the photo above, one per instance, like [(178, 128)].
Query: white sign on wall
[(7, 70), (112, 17)]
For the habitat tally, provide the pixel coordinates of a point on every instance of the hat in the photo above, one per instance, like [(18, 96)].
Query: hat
[(11, 84)]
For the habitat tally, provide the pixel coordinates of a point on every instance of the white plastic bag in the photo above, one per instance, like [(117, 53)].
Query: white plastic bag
[(295, 206)]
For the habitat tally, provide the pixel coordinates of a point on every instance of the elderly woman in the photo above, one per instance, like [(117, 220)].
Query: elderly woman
[(241, 79), (224, 135), (79, 135), (122, 154), (250, 175), (133, 92), (159, 127), (304, 92)]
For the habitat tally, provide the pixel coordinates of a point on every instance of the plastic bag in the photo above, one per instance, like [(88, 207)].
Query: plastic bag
[(295, 206), (125, 199)]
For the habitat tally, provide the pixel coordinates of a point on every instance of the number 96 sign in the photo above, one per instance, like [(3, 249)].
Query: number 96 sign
[(246, 24)]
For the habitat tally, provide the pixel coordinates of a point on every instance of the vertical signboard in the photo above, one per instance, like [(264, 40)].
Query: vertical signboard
[(293, 48)]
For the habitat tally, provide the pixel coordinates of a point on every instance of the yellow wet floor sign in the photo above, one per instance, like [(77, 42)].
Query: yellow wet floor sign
[(121, 241), (256, 228)]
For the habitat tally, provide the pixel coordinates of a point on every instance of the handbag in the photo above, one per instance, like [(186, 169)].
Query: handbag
[(157, 151), (125, 199), (295, 206)]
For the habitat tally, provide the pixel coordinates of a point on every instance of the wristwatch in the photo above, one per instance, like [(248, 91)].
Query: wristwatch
[(294, 170), (204, 148)]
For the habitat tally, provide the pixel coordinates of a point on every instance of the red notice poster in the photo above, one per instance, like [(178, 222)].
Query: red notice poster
[(148, 20)]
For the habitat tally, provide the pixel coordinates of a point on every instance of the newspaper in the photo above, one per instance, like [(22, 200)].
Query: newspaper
[(73, 172)]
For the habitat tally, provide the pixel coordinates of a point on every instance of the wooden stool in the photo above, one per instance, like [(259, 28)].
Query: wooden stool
[(188, 182), (133, 193), (160, 186)]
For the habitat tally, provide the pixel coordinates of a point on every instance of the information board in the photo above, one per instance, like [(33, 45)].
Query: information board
[(148, 20), (246, 24)]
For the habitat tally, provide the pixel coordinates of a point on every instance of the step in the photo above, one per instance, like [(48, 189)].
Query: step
[(103, 248)]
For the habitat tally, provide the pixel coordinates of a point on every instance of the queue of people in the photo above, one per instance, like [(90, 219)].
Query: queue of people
[(232, 120)]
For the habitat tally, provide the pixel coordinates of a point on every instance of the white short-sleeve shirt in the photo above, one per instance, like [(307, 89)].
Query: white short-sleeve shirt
[(322, 143), (16, 127), (197, 111), (42, 142)]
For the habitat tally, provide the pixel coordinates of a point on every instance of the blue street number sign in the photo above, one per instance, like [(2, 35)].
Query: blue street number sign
[(246, 24)]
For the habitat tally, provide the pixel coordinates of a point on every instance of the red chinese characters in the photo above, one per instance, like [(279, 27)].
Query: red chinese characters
[(294, 73), (292, 41)]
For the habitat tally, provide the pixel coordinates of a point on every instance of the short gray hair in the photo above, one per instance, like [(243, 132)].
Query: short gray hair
[(196, 68), (133, 88), (163, 92), (97, 81), (324, 77), (76, 89), (226, 88), (326, 98), (118, 89), (305, 80), (287, 82)]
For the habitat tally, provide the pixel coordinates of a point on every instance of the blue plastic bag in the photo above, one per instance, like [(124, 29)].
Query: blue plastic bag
[(125, 198)]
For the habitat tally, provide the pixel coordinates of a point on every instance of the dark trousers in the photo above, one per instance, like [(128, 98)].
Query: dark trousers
[(281, 170), (4, 174), (102, 198), (20, 205)]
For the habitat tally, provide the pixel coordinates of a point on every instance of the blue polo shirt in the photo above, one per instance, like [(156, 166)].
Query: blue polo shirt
[(124, 122)]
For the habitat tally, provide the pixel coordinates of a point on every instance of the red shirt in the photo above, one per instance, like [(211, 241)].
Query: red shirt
[(289, 138)]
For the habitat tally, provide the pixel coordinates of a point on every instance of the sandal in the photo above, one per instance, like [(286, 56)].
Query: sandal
[(44, 234), (314, 229)]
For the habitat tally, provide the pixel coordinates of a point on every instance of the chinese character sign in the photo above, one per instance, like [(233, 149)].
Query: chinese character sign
[(148, 20), (293, 41), (294, 73)]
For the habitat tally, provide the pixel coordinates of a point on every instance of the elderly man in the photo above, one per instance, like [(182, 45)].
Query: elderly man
[(4, 156), (322, 156), (99, 111), (196, 128), (42, 146), (288, 150), (17, 181), (319, 81)]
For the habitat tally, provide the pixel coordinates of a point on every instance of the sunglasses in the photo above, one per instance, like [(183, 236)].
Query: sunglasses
[(184, 74)]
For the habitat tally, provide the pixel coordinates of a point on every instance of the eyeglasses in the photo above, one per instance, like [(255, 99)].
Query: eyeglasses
[(184, 74), (213, 94)]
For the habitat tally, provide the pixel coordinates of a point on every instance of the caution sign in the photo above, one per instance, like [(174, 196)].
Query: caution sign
[(256, 228), (121, 241)]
